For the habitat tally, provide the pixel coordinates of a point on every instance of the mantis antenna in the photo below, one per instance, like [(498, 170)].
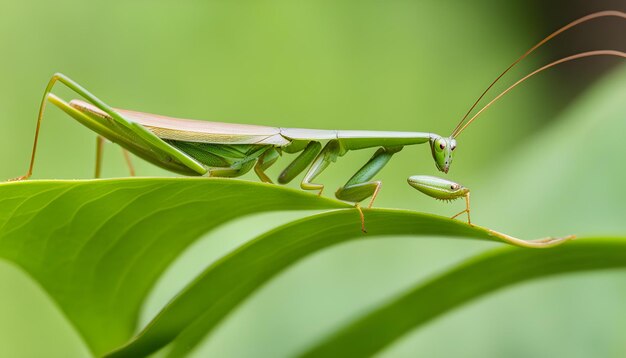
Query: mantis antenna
[(595, 15), (557, 62)]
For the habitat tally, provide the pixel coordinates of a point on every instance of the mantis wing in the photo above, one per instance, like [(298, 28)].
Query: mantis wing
[(191, 130)]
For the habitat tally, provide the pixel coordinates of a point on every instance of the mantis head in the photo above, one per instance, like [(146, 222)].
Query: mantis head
[(443, 151)]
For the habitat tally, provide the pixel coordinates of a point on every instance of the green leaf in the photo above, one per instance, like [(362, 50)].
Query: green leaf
[(197, 310), (474, 278), (97, 247)]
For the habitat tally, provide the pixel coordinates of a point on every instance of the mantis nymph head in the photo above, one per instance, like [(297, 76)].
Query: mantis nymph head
[(443, 150)]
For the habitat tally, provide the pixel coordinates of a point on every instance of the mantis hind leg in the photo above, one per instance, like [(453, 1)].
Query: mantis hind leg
[(150, 143), (100, 140), (129, 162), (76, 88), (99, 150)]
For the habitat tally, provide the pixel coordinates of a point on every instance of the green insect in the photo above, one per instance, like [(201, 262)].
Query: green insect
[(193, 147)]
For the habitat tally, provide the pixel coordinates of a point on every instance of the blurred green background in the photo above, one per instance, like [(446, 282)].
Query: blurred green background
[(379, 65)]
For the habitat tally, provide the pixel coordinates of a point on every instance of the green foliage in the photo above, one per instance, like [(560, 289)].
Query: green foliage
[(97, 247), (488, 273), (224, 285)]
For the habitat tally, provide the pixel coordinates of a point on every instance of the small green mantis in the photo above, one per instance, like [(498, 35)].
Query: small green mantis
[(215, 149)]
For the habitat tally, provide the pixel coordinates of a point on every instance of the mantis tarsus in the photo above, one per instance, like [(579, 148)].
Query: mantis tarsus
[(193, 147)]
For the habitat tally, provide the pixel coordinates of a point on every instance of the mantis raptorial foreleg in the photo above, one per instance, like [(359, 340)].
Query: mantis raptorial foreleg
[(359, 187), (100, 140)]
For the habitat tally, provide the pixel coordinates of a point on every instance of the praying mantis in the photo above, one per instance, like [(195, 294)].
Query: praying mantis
[(215, 149)]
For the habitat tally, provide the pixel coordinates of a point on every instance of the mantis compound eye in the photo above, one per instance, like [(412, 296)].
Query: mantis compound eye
[(442, 145), (453, 146)]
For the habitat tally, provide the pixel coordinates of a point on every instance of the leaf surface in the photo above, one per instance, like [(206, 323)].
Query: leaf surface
[(460, 285), (97, 247), (197, 310)]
